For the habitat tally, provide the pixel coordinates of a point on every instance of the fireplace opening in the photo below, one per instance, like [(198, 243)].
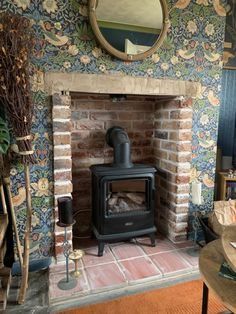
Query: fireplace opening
[(123, 195), (159, 128)]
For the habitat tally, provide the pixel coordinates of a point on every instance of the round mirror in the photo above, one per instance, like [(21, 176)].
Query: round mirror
[(129, 29)]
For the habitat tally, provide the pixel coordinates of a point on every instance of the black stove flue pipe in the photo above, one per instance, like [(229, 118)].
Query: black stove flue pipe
[(117, 138)]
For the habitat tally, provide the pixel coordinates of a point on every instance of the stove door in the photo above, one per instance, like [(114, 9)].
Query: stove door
[(126, 204)]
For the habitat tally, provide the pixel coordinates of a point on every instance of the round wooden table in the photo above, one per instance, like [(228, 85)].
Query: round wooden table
[(229, 235), (210, 260)]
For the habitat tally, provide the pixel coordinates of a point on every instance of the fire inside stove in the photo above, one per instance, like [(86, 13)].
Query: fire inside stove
[(124, 196)]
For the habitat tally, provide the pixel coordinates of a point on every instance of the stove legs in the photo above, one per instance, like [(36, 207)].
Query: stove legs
[(152, 238), (100, 248)]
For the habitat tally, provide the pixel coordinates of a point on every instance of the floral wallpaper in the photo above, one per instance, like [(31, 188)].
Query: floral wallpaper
[(65, 42)]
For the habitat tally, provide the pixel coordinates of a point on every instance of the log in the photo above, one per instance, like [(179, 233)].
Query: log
[(136, 198)]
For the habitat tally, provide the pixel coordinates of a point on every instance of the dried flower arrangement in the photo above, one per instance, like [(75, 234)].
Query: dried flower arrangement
[(16, 42)]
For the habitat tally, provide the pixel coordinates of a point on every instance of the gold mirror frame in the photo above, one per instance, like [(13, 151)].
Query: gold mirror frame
[(122, 55)]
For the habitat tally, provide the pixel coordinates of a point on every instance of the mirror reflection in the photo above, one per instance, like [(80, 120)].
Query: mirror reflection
[(131, 26)]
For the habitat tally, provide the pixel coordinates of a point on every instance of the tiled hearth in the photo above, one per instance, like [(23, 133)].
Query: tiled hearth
[(125, 265)]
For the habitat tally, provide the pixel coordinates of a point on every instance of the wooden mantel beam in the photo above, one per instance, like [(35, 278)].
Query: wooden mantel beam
[(118, 84)]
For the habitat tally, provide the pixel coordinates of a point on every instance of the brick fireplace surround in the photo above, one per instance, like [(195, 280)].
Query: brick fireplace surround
[(157, 114)]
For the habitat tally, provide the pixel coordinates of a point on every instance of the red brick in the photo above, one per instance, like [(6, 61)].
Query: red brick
[(158, 125), (179, 208), (160, 154), (170, 125), (58, 249), (82, 153), (156, 143), (61, 151), (177, 157), (181, 114), (103, 116), (124, 124), (89, 125), (185, 124), (61, 139), (87, 105), (63, 188), (148, 151), (182, 179), (91, 143), (62, 164), (180, 136), (98, 134), (59, 238), (184, 147), (169, 145), (79, 115), (142, 125), (186, 103), (119, 107), (82, 173), (132, 116), (65, 126), (59, 112), (141, 142), (168, 166), (160, 115), (172, 104), (61, 100), (63, 175)]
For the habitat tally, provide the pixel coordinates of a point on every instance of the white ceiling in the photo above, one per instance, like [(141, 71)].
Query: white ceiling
[(145, 13)]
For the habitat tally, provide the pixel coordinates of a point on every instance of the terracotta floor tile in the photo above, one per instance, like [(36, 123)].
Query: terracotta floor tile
[(55, 292), (162, 245), (139, 268), (170, 262), (91, 258), (190, 255), (126, 250), (105, 276)]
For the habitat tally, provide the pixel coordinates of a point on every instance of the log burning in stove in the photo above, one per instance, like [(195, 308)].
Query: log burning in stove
[(126, 196), (123, 195)]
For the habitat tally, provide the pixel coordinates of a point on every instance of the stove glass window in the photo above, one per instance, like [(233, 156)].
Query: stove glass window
[(124, 196)]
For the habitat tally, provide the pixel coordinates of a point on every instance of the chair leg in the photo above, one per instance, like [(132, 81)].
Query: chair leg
[(205, 299)]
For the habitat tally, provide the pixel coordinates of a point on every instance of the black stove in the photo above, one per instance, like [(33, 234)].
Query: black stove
[(123, 195)]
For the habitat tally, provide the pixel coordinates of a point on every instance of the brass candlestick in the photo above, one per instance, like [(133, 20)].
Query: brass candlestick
[(75, 256)]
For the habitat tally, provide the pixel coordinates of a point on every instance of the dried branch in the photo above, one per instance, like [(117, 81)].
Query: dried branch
[(16, 43)]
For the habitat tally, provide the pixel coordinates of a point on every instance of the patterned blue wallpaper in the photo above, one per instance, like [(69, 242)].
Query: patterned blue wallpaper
[(65, 42)]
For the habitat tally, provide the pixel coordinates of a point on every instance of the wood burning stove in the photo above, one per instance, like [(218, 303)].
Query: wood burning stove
[(123, 195)]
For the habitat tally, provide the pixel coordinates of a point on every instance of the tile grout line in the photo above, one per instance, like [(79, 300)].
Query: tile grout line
[(85, 275), (142, 256), (117, 262)]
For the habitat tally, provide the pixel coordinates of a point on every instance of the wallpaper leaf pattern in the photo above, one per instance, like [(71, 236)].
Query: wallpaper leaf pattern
[(65, 42)]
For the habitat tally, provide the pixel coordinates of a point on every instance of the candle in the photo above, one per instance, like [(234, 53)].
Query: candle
[(197, 193), (65, 210)]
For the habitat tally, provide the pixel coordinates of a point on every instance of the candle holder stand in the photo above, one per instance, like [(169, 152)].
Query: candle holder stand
[(68, 282), (75, 256)]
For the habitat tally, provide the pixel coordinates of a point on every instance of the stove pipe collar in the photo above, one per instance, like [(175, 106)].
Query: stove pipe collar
[(117, 138)]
